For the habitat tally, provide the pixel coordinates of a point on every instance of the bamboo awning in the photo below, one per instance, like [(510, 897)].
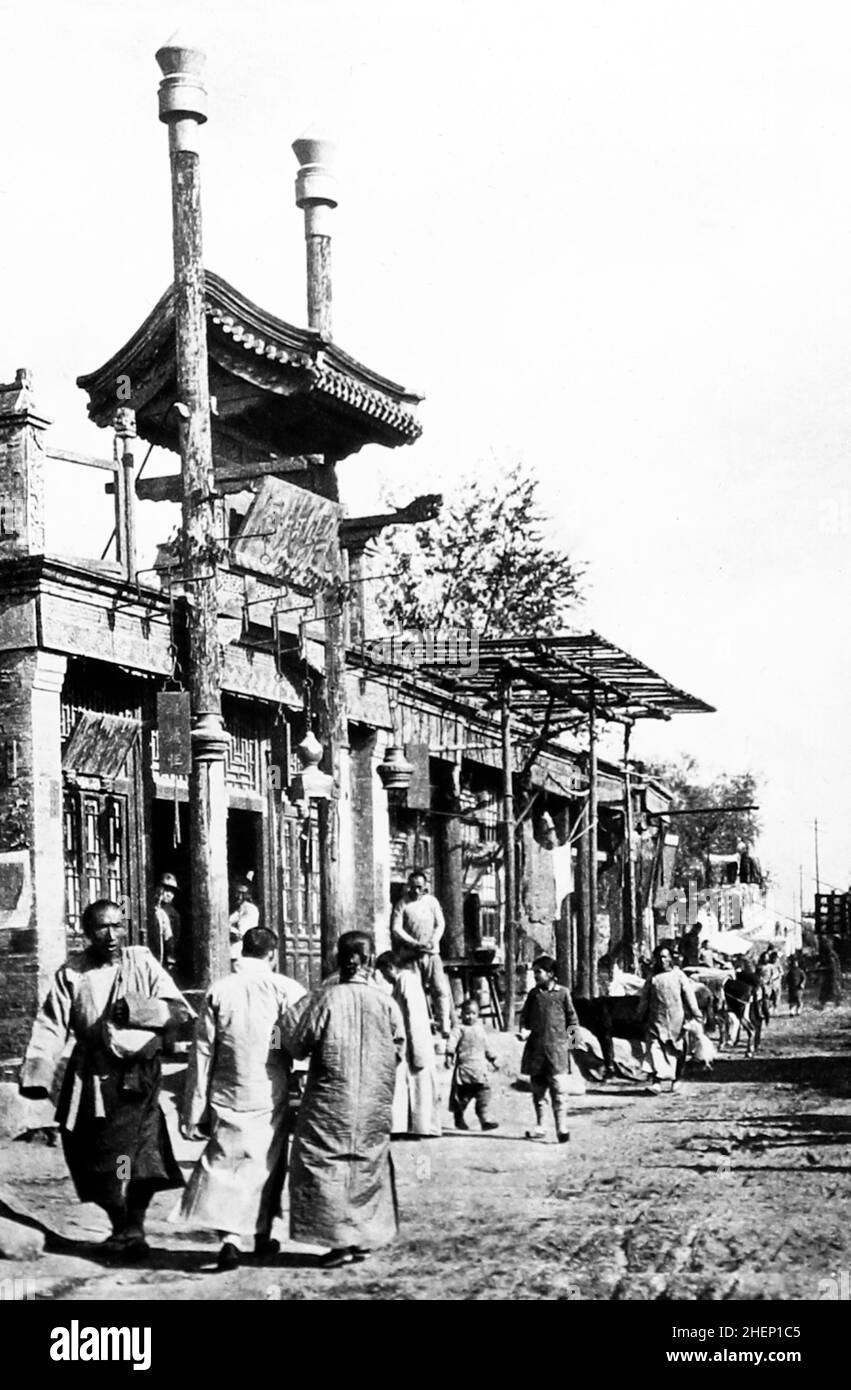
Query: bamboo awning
[(556, 678)]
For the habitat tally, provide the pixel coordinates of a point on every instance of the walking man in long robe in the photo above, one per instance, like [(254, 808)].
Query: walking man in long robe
[(667, 1001), (117, 1001), (416, 1108), (236, 1092), (342, 1191)]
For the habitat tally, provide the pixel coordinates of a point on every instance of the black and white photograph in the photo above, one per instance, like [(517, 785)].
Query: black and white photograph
[(425, 517)]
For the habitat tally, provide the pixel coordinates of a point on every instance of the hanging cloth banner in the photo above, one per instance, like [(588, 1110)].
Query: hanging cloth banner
[(173, 724)]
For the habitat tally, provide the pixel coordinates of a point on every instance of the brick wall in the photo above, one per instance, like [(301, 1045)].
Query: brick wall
[(32, 925), (20, 996)]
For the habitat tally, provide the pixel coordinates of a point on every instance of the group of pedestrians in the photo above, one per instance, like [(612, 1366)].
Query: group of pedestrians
[(371, 1046), (123, 1009)]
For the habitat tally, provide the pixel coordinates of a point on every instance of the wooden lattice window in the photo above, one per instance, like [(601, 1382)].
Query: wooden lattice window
[(300, 898), (482, 858), (96, 853)]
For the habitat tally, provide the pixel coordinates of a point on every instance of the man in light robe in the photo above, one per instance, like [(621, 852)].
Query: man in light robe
[(667, 1002), (236, 1092), (416, 1107), (417, 925), (342, 1192), (113, 999)]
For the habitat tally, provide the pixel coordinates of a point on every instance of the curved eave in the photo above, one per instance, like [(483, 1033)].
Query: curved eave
[(344, 383)]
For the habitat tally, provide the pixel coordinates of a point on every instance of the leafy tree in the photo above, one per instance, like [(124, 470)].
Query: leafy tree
[(483, 565), (700, 836)]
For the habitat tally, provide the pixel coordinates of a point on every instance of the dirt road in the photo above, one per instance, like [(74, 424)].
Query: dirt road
[(735, 1188)]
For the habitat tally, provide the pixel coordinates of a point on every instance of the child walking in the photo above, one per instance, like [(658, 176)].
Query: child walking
[(468, 1048), (795, 980), (549, 1026)]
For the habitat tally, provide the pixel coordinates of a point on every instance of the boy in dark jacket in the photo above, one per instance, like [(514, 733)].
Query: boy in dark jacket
[(549, 1026)]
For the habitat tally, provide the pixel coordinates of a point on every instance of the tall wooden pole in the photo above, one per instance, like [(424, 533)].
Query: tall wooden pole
[(592, 845), (183, 102), (580, 892), (508, 852), (120, 507), (815, 845), (801, 889), (451, 845), (630, 926), (315, 192), (124, 424)]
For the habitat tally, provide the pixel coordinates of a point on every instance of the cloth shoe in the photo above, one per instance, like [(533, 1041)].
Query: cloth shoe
[(335, 1259), (490, 1124), (229, 1257)]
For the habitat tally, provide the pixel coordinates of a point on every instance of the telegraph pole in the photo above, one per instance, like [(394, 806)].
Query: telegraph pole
[(316, 195), (183, 108), (815, 839), (801, 889)]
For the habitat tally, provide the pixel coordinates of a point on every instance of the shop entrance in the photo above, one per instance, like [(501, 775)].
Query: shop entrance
[(245, 854), (170, 855)]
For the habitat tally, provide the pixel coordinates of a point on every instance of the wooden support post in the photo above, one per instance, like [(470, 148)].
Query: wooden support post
[(124, 424), (119, 500), (592, 844), (129, 464), (630, 925), (316, 196), (509, 860), (356, 608), (451, 850), (580, 893), (183, 107), (334, 728)]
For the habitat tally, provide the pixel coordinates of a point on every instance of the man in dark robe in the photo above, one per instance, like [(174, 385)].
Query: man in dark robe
[(341, 1174), (118, 1002)]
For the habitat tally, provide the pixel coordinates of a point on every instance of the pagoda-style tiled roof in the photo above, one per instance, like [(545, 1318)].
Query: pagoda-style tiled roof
[(279, 390)]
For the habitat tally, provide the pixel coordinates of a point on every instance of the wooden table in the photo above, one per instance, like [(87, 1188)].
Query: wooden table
[(468, 970)]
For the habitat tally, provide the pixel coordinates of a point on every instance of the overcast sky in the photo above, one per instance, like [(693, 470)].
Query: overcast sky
[(611, 238)]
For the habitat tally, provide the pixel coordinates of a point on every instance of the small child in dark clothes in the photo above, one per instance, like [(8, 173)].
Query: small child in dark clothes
[(795, 981), (468, 1048)]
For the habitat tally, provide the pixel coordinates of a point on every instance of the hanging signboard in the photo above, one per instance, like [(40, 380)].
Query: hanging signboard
[(173, 726), (292, 535)]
